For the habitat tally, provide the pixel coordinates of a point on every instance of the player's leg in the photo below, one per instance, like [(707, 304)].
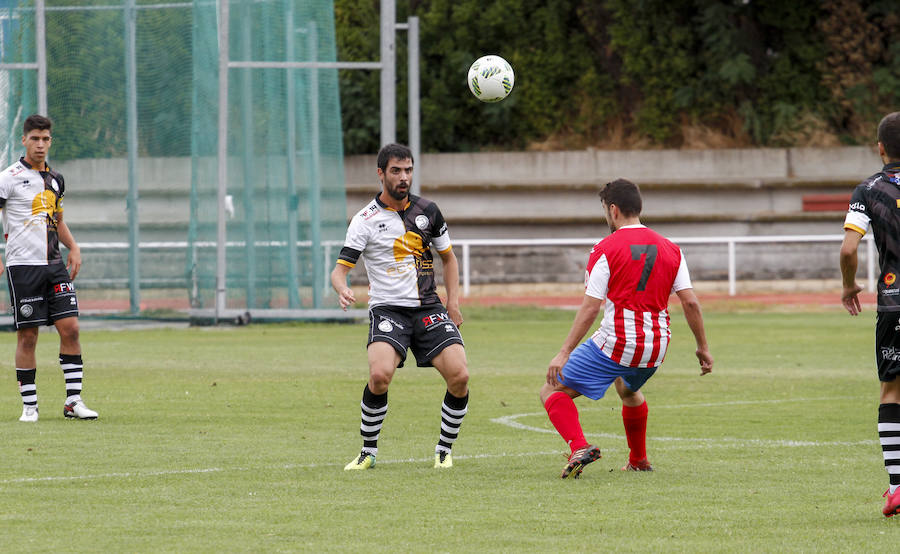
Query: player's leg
[(389, 334), (634, 418), (26, 370), (383, 362), (73, 369), (587, 372), (451, 364), (27, 297), (63, 313), (436, 341), (887, 342)]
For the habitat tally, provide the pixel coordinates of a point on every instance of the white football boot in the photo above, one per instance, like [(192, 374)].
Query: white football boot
[(29, 414), (77, 410)]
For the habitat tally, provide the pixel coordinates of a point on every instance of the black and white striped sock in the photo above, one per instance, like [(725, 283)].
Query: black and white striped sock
[(73, 371), (374, 410), (889, 436), (27, 388), (452, 412)]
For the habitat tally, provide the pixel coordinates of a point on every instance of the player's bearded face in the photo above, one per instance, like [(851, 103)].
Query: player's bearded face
[(397, 178)]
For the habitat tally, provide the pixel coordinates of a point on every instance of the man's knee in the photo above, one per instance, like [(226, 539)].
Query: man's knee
[(68, 333), (458, 382), (27, 338), (379, 379)]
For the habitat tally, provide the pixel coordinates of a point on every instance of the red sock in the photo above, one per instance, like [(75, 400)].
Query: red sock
[(635, 420), (564, 416)]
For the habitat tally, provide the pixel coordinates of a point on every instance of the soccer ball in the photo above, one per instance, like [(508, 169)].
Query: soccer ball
[(491, 78)]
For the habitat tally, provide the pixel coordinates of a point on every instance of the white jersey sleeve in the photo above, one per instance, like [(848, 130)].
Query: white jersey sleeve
[(597, 281), (357, 234), (683, 277)]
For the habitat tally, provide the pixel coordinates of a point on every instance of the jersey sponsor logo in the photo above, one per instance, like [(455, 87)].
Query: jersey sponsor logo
[(31, 299), (422, 222), (890, 292), (435, 319), (858, 207), (889, 278), (382, 227), (369, 212), (890, 353), (60, 288)]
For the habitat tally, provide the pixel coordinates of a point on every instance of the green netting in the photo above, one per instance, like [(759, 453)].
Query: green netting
[(285, 157)]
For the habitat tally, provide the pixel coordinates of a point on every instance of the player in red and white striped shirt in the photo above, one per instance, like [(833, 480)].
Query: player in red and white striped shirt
[(634, 270)]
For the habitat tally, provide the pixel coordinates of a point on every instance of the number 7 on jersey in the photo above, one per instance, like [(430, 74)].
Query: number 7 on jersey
[(648, 251)]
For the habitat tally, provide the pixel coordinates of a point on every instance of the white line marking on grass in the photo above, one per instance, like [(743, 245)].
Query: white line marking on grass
[(509, 421), (140, 474), (700, 442)]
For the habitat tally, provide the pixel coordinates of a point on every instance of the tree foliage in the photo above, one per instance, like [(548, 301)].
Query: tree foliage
[(632, 73)]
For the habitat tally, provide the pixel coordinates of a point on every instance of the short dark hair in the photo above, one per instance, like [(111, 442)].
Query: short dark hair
[(889, 135), (393, 150), (35, 121), (624, 194)]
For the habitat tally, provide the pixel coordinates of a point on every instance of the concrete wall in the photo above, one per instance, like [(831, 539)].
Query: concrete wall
[(729, 192)]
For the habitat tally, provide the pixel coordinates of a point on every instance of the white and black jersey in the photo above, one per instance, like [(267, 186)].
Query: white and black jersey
[(875, 204), (31, 200), (395, 247)]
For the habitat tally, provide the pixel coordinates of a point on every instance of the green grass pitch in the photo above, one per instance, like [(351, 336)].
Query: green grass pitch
[(234, 439)]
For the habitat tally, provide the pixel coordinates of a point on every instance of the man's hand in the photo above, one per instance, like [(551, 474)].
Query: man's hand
[(346, 297), (850, 299), (706, 361), (73, 261), (556, 365), (455, 314)]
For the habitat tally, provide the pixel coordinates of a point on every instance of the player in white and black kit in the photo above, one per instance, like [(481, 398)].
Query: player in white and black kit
[(875, 205), (41, 291), (393, 235)]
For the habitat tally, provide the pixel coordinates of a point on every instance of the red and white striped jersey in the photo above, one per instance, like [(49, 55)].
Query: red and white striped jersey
[(635, 269)]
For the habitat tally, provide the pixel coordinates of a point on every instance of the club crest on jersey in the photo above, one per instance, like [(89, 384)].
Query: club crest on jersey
[(385, 326), (422, 222), (26, 310)]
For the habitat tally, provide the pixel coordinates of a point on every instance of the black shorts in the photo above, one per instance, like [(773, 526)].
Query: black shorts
[(887, 345), (427, 330), (40, 294)]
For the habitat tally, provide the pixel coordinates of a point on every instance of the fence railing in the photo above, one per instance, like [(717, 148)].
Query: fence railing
[(465, 246)]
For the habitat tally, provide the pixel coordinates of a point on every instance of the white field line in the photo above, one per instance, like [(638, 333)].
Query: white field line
[(699, 442), (509, 421)]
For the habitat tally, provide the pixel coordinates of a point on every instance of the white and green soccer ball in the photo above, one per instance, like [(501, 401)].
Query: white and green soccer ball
[(491, 78)]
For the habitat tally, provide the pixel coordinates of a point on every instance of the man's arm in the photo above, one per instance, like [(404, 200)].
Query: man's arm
[(584, 319), (339, 283), (451, 282), (694, 317), (73, 260), (849, 263)]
